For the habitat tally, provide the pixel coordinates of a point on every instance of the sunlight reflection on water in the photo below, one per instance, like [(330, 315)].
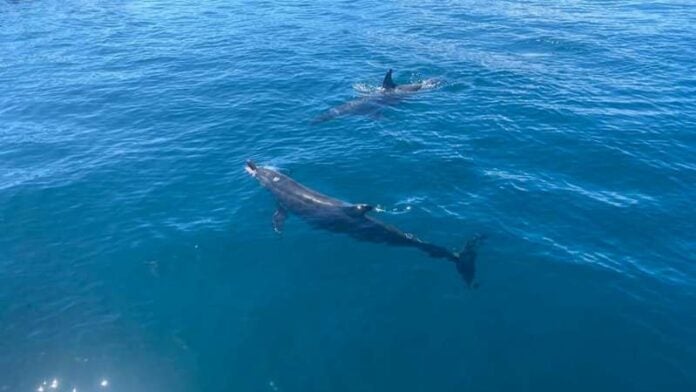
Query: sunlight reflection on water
[(55, 385)]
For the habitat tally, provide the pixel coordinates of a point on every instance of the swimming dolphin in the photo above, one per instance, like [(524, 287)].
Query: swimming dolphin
[(338, 216), (389, 94)]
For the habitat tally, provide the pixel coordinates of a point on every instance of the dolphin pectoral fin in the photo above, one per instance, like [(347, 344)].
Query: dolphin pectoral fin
[(279, 219), (358, 209)]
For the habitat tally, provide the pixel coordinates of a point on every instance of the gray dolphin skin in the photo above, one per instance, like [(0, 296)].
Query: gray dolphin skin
[(338, 216), (389, 94)]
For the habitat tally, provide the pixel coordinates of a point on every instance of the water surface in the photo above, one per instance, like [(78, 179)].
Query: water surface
[(135, 250)]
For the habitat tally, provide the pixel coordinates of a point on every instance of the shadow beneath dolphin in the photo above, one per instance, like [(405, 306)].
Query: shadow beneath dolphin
[(389, 94)]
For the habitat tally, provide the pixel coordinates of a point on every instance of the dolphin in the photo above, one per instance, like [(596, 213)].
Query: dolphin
[(389, 94), (338, 216)]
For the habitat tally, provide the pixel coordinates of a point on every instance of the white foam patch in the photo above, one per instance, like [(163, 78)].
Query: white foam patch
[(364, 88), (402, 207), (426, 84), (432, 83)]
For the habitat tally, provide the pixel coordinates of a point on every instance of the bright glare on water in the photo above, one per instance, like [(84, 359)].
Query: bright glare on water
[(137, 255)]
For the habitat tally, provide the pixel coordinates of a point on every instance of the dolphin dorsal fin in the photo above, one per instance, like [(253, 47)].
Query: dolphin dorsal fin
[(388, 83), (358, 209)]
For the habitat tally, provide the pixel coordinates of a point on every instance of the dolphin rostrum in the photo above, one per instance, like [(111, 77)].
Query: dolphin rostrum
[(338, 216), (389, 94)]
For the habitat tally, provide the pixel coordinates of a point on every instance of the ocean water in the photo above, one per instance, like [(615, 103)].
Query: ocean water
[(136, 254)]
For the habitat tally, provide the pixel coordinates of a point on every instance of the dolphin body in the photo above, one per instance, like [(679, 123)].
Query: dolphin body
[(371, 105), (338, 216)]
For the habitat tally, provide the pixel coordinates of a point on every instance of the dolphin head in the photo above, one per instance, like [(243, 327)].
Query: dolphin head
[(267, 177), (251, 168)]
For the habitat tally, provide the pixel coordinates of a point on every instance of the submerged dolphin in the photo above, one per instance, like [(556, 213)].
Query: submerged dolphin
[(337, 216), (389, 94)]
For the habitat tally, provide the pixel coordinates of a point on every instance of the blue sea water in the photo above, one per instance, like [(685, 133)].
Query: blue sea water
[(136, 254)]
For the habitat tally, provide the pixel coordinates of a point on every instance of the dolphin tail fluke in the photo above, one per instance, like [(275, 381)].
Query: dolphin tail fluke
[(466, 260)]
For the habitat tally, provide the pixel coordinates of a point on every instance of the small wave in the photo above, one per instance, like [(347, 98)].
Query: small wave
[(426, 84), (396, 210), (401, 207), (432, 83), (364, 88)]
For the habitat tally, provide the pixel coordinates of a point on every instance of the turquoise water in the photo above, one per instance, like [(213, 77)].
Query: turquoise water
[(136, 254)]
